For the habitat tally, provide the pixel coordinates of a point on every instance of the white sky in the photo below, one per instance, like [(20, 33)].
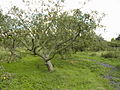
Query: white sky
[(109, 7)]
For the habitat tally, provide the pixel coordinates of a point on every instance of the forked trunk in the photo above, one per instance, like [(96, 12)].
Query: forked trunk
[(49, 66)]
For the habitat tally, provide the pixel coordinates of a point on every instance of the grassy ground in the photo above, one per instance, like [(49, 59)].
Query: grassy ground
[(75, 73)]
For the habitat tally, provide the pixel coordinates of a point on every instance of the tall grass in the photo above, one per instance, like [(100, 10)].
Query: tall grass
[(111, 54)]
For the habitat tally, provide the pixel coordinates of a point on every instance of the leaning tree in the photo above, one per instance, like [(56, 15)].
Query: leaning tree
[(51, 29)]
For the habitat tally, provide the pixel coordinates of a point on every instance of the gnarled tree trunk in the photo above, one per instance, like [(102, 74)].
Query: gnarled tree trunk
[(49, 66)]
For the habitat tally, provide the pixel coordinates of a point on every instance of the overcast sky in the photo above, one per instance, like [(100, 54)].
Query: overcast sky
[(109, 7)]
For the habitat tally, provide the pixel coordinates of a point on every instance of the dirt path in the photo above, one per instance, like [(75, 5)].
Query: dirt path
[(109, 75)]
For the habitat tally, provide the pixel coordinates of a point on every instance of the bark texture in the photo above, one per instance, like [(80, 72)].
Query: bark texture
[(49, 66)]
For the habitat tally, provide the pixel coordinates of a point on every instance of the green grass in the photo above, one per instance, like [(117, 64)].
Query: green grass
[(30, 73), (97, 56)]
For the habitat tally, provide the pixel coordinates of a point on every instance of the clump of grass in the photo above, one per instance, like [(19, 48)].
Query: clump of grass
[(93, 54), (118, 67), (111, 55), (5, 77)]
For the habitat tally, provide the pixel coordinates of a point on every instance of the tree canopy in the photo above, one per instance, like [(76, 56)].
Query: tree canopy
[(47, 31)]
